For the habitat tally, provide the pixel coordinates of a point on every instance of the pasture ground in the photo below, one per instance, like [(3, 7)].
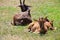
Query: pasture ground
[(8, 8)]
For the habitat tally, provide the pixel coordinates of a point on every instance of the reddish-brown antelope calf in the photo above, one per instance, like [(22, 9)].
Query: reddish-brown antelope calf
[(41, 25)]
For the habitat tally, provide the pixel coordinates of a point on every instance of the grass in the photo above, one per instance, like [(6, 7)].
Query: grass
[(50, 8)]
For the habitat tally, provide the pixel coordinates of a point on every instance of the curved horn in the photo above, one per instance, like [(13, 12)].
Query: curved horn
[(20, 2), (23, 1)]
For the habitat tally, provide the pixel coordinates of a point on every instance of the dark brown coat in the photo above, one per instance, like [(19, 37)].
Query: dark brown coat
[(22, 19)]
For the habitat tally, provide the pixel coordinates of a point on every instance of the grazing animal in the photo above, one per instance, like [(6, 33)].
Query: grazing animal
[(22, 19), (23, 6), (41, 25)]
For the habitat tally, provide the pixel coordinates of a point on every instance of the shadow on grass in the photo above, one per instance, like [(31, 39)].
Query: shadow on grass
[(20, 25)]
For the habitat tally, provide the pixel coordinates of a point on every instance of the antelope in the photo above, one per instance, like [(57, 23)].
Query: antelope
[(24, 17), (37, 26), (41, 25)]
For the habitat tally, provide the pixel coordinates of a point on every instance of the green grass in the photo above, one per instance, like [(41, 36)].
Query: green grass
[(50, 8)]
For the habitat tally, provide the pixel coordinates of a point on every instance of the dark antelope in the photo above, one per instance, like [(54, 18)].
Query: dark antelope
[(24, 17)]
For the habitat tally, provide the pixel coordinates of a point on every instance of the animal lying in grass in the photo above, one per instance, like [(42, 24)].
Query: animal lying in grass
[(34, 26), (37, 26), (22, 19), (41, 25)]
